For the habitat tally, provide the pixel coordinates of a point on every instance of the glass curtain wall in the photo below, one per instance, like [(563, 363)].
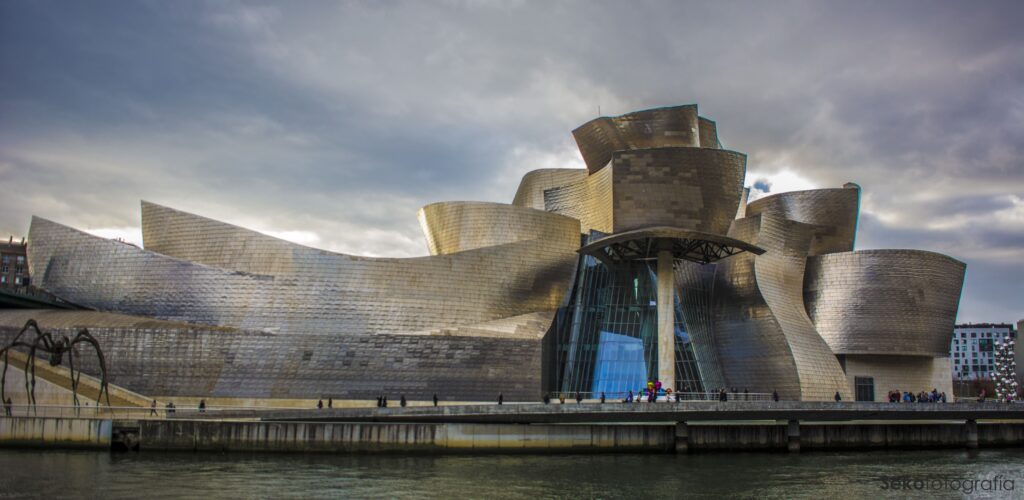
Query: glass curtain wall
[(607, 337)]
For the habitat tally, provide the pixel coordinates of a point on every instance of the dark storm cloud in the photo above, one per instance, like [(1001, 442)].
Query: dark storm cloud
[(336, 121)]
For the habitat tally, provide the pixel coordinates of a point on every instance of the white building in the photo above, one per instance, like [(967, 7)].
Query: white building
[(972, 349)]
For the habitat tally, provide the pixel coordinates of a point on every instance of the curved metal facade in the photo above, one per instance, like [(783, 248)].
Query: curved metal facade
[(884, 302), (765, 339), (456, 226), (533, 185), (588, 199), (505, 303), (218, 274), (676, 126), (169, 359), (690, 188), (834, 211)]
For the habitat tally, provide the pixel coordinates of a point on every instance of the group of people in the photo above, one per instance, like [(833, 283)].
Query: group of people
[(895, 396), (382, 401)]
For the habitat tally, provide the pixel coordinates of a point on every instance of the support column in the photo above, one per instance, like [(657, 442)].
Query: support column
[(793, 436), (666, 321), (682, 438), (972, 434)]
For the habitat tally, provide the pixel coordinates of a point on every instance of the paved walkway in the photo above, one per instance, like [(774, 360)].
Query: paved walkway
[(637, 412)]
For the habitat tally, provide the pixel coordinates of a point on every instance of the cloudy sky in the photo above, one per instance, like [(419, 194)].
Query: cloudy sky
[(331, 123)]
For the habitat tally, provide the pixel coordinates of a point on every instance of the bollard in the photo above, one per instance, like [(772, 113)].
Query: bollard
[(793, 436), (682, 438), (972, 434)]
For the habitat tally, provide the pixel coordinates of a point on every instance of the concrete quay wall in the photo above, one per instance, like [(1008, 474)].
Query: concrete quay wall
[(344, 437), (44, 432), (455, 437), (386, 437)]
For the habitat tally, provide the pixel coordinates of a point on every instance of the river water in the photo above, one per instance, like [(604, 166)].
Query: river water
[(928, 474)]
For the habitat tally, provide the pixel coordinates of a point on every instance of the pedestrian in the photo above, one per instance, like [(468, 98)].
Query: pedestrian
[(723, 396), (547, 398), (561, 398), (152, 408), (579, 397), (838, 398), (602, 398), (775, 395), (379, 398), (981, 396), (501, 398), (330, 402), (384, 401), (401, 401), (320, 404), (629, 397), (435, 399), (7, 406), (746, 394), (202, 406), (942, 397)]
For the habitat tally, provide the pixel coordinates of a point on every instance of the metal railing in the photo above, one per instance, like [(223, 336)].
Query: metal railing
[(127, 412), (620, 397)]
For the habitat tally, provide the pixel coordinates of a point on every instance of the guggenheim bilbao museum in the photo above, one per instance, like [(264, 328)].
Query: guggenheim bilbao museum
[(648, 264)]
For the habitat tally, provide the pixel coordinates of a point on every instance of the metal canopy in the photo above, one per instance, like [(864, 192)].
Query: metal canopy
[(644, 244)]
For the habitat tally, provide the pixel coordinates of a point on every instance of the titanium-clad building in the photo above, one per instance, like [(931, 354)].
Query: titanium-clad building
[(648, 264)]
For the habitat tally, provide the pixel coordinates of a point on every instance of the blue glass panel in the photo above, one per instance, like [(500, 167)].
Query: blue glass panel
[(620, 364)]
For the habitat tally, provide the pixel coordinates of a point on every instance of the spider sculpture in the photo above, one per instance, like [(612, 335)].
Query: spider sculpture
[(55, 348)]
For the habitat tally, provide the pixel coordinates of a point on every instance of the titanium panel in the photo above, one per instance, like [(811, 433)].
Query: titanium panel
[(589, 200), (833, 210), (675, 126), (456, 226), (708, 133), (175, 360), (765, 338), (690, 188), (885, 302), (534, 183), (261, 282)]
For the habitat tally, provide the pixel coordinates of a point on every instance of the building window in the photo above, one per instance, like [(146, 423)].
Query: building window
[(3, 280), (864, 388), (17, 280)]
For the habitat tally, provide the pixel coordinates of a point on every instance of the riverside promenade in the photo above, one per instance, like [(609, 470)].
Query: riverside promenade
[(682, 427), (625, 413)]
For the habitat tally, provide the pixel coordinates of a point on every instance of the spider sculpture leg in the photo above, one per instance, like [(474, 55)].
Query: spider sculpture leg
[(71, 367), (85, 337), (46, 343)]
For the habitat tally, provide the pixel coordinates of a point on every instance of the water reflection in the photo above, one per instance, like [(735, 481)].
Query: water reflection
[(37, 474)]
